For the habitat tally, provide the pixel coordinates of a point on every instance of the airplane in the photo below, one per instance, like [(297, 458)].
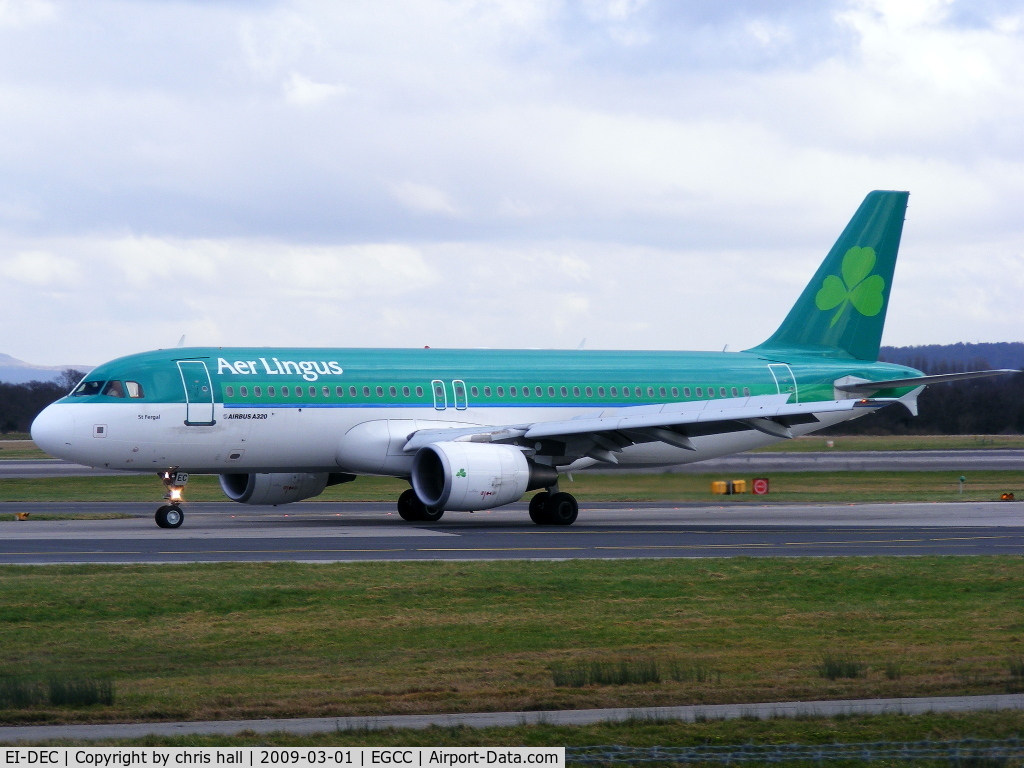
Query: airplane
[(477, 429)]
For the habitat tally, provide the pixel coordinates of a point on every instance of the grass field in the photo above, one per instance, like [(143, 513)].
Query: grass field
[(896, 443), (20, 446), (785, 487), (847, 730), (292, 640)]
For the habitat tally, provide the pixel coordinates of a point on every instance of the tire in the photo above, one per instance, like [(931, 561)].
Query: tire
[(561, 509), (537, 513), (170, 516), (431, 515), (409, 506)]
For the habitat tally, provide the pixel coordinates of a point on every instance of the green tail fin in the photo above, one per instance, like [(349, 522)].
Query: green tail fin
[(841, 312)]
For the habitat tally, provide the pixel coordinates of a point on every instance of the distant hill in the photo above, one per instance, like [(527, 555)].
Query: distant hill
[(14, 371), (942, 358)]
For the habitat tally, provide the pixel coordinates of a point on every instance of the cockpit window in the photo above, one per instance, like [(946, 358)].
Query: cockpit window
[(113, 389), (88, 388), (134, 389)]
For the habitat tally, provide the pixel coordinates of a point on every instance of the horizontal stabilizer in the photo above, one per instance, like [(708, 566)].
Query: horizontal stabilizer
[(854, 385)]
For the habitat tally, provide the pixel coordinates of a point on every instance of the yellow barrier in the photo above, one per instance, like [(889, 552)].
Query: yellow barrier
[(739, 486), (718, 487)]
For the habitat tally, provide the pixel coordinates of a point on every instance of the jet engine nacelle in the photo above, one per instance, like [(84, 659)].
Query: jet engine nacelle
[(469, 476), (278, 487)]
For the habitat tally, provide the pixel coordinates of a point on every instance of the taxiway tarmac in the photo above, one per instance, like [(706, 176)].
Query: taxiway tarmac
[(329, 531)]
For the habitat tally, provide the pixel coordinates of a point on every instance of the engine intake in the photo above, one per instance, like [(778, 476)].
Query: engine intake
[(278, 487), (471, 476)]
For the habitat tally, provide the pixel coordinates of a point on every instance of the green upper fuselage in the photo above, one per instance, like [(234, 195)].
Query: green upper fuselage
[(305, 377)]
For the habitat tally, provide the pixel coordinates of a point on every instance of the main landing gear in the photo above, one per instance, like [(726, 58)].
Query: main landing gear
[(412, 509), (170, 515), (554, 508)]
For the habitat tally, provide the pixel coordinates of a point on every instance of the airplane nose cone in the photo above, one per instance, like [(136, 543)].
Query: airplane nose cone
[(53, 429)]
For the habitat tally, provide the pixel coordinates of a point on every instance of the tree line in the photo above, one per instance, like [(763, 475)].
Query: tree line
[(21, 403)]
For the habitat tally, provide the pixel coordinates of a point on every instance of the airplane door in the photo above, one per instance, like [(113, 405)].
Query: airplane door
[(785, 381), (440, 395), (461, 401), (198, 393)]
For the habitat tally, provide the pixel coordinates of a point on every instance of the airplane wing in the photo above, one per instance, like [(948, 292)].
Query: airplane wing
[(608, 431)]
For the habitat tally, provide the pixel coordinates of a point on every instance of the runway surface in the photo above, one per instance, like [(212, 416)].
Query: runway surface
[(326, 532)]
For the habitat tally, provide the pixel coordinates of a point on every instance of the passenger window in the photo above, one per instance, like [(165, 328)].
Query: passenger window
[(700, 392), (526, 391), (229, 391), (284, 391), (298, 391), (88, 388), (134, 389), (735, 392), (746, 391), (113, 389), (513, 391), (650, 391), (243, 391), (686, 391), (640, 392), (271, 391), (501, 391), (662, 392), (258, 391), (564, 392), (366, 391), (675, 391), (339, 391), (575, 391), (474, 391), (487, 391), (625, 391), (312, 391), (615, 391), (589, 391), (711, 391), (327, 391), (538, 391), (600, 391), (380, 391), (722, 392), (551, 391), (405, 391), (392, 391), (419, 391), (352, 391)]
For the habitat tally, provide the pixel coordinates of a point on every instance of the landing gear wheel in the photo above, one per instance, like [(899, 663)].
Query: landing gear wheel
[(537, 503), (431, 515), (561, 509), (170, 516), (409, 506)]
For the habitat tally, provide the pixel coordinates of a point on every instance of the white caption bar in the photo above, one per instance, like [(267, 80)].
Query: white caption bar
[(257, 757)]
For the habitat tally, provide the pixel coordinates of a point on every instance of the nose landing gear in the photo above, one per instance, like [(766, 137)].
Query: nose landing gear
[(170, 515)]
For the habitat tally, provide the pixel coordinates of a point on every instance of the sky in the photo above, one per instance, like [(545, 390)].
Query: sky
[(642, 174)]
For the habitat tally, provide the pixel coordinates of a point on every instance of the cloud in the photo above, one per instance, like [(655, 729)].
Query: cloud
[(305, 171), (38, 268), (21, 13), (304, 92), (423, 198)]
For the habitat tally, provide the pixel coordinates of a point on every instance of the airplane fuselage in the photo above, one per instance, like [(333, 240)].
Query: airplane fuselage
[(236, 410)]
